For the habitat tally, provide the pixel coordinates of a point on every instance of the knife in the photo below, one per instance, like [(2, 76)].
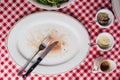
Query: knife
[(49, 48)]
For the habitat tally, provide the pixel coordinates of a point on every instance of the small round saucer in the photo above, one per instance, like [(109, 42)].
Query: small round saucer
[(110, 38), (110, 15)]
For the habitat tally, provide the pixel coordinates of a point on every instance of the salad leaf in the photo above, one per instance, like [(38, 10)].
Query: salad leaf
[(51, 2)]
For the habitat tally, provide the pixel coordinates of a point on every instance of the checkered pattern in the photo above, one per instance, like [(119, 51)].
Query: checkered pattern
[(84, 11)]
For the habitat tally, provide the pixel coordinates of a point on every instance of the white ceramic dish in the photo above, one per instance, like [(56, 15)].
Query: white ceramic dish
[(110, 38), (116, 8), (97, 63), (77, 38), (53, 7), (110, 14)]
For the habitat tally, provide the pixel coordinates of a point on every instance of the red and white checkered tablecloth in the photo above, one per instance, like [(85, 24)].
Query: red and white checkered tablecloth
[(84, 11)]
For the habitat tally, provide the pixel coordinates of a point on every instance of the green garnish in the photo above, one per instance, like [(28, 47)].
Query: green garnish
[(51, 2)]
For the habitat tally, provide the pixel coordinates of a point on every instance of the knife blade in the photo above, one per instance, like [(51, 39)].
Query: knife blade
[(48, 49)]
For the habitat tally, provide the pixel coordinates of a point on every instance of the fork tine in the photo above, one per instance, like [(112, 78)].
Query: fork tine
[(46, 40)]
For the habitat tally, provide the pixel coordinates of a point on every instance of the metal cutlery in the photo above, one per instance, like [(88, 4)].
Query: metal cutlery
[(48, 49), (42, 46)]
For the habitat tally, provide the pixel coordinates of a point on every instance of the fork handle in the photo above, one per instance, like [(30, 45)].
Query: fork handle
[(24, 67), (32, 67)]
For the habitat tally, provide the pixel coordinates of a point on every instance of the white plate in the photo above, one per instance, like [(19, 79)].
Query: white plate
[(110, 14), (110, 38), (116, 8), (76, 37)]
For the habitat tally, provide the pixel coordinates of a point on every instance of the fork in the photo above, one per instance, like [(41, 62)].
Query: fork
[(42, 46)]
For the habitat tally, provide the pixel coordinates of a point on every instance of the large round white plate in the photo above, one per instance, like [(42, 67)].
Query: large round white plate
[(116, 8), (28, 31)]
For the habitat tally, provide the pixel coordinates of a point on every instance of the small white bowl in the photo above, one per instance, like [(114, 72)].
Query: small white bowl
[(97, 63), (110, 38), (53, 7), (110, 14)]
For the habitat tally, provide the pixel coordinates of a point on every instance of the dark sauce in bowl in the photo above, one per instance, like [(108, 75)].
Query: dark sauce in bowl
[(105, 66)]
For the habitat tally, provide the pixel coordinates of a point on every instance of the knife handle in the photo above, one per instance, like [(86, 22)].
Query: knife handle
[(32, 67)]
